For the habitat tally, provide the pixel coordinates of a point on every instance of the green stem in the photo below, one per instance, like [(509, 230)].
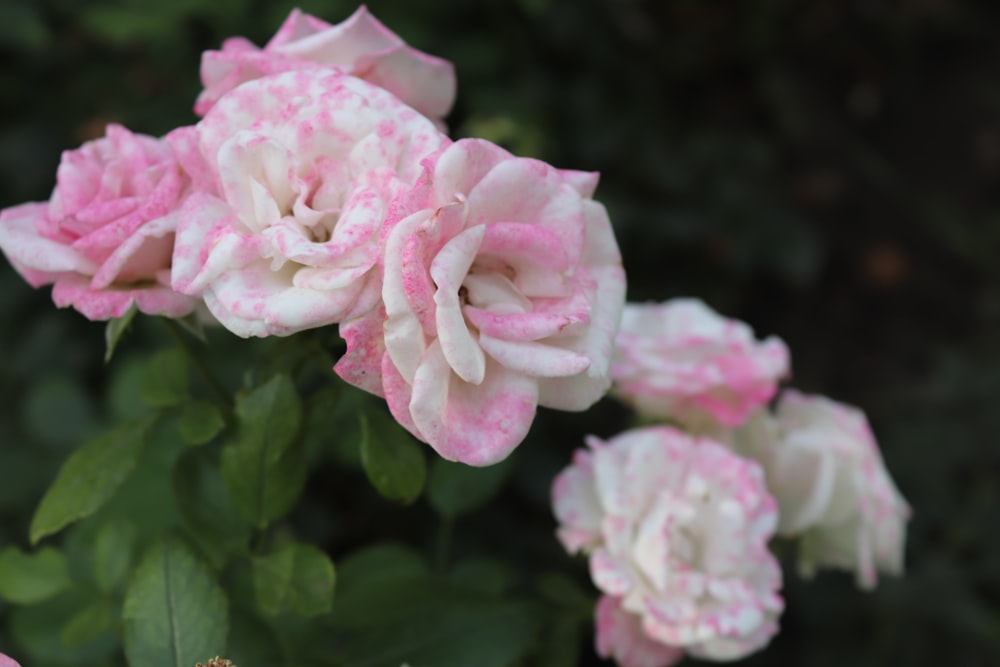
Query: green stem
[(197, 362)]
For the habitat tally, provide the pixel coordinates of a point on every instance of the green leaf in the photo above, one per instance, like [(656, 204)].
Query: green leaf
[(206, 507), (115, 329), (32, 578), (449, 632), (270, 416), (392, 459), (175, 613), (484, 575), (263, 490), (298, 577), (264, 470), (113, 550), (455, 489), (166, 379), (90, 623), (37, 630), (88, 479), (200, 422), (384, 564)]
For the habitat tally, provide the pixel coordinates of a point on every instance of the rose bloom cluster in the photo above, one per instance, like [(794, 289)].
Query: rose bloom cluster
[(319, 189), (676, 519), (471, 286)]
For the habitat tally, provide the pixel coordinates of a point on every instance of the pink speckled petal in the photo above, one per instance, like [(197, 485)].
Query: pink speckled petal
[(256, 301), (474, 424), (407, 294), (423, 81), (576, 505), (619, 635), (150, 246), (609, 574), (206, 244), (462, 165), (596, 342), (361, 365), (398, 395), (99, 305), (534, 359)]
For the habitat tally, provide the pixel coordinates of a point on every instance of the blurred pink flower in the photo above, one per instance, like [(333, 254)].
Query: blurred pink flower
[(360, 46), (295, 173), (833, 490), (503, 288), (7, 662), (676, 528), (106, 236), (681, 360)]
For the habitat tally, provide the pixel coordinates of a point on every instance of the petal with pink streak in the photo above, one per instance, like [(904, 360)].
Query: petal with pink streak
[(474, 424), (448, 270), (22, 243), (520, 326)]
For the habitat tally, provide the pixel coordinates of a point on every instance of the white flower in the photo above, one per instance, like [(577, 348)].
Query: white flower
[(677, 529), (833, 489)]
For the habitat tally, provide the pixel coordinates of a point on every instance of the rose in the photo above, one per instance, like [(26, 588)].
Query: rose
[(680, 360), (620, 636), (7, 662), (297, 171), (833, 490), (502, 291), (677, 529), (106, 236), (360, 46)]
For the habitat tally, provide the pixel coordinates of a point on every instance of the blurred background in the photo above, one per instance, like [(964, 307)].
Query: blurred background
[(828, 171)]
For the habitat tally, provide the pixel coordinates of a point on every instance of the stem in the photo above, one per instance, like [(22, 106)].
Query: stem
[(443, 546), (197, 362)]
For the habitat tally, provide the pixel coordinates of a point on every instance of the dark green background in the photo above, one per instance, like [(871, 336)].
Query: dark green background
[(827, 170)]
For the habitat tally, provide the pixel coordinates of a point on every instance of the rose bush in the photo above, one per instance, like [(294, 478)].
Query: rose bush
[(833, 490), (360, 46), (681, 360), (676, 528), (105, 238), (502, 291), (295, 176)]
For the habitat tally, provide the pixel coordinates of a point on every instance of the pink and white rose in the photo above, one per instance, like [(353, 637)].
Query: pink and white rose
[(620, 636), (681, 360), (503, 288), (834, 492), (676, 528), (105, 238), (360, 46), (296, 174)]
